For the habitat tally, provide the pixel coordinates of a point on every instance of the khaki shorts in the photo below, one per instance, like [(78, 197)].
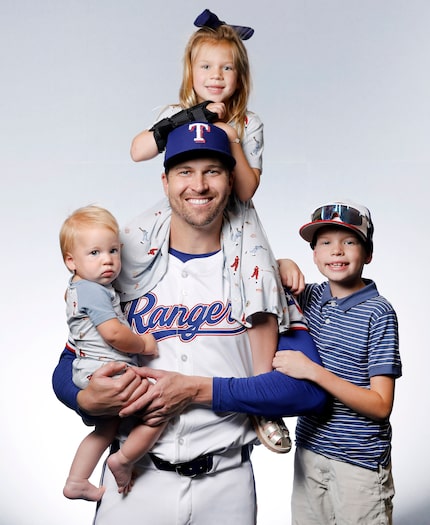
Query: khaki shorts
[(326, 491)]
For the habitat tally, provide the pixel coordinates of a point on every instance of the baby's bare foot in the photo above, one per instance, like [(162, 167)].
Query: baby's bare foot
[(122, 472), (82, 489)]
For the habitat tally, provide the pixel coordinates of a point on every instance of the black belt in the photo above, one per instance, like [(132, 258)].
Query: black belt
[(196, 467)]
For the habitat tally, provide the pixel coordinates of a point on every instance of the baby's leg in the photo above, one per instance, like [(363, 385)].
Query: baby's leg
[(140, 440), (86, 458)]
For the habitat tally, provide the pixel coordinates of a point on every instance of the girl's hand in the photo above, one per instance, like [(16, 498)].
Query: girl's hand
[(218, 108), (291, 276), (293, 363)]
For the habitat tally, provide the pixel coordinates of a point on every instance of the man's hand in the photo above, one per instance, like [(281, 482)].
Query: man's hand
[(169, 394), (106, 395)]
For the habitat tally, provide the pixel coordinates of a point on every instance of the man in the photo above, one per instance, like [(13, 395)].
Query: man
[(199, 472)]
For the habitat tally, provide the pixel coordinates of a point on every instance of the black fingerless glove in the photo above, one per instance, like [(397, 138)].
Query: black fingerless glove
[(198, 113)]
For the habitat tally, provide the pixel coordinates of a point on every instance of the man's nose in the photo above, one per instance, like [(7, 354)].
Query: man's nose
[(200, 183)]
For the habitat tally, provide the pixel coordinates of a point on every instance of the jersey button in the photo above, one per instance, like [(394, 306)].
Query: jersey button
[(184, 274), (184, 357)]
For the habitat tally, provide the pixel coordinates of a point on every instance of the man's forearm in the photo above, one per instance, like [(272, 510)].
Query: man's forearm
[(273, 394)]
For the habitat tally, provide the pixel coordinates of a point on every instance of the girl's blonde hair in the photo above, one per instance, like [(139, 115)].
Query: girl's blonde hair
[(236, 106), (86, 217)]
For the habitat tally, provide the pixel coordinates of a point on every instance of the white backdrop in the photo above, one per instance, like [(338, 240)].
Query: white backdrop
[(343, 88)]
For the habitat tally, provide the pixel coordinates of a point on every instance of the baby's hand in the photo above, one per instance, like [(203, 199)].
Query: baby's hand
[(218, 108), (150, 345)]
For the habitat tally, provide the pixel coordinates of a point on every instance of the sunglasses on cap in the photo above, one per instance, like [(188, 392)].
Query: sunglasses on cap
[(345, 213)]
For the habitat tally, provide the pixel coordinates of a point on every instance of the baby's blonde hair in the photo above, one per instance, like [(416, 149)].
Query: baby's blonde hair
[(85, 217), (236, 106)]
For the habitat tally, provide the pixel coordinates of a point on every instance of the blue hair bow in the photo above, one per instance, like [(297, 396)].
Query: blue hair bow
[(209, 19)]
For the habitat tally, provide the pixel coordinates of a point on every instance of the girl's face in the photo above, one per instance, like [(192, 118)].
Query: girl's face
[(214, 74)]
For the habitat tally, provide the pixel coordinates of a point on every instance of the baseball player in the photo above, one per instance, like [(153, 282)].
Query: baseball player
[(203, 456)]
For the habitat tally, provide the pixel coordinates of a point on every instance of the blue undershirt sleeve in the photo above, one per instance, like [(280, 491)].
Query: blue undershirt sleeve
[(64, 387), (273, 394)]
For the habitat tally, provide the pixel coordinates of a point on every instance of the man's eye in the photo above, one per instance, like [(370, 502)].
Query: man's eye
[(94, 252)]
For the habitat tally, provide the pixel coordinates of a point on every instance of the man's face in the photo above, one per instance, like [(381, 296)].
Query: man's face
[(198, 191)]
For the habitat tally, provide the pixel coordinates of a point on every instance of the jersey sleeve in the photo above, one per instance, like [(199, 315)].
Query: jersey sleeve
[(273, 394)]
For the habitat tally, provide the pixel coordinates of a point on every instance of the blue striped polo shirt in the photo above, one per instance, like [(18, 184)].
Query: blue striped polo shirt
[(357, 338)]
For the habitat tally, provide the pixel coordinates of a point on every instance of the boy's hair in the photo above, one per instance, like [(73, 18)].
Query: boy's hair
[(85, 217), (236, 106)]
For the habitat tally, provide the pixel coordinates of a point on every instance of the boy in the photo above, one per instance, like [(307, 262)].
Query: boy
[(342, 463), (99, 333)]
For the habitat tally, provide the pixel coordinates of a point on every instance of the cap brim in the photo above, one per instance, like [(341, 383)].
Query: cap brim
[(307, 231), (228, 161)]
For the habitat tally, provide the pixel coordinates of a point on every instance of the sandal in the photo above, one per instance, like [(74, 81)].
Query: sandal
[(273, 435)]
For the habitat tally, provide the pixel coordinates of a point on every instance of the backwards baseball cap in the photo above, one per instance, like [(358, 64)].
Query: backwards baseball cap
[(198, 140), (346, 214)]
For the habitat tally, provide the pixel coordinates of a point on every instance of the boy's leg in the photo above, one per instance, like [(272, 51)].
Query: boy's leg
[(86, 458), (311, 501), (140, 440), (361, 495)]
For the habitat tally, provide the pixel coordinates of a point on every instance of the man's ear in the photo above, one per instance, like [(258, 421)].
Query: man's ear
[(368, 259), (165, 182)]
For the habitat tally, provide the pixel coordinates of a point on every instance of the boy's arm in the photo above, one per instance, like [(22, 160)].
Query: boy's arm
[(123, 339), (375, 403)]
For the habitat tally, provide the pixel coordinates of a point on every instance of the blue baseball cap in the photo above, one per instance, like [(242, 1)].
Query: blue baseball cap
[(198, 140)]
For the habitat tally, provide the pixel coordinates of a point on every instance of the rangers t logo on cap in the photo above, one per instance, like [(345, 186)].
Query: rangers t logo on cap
[(198, 140)]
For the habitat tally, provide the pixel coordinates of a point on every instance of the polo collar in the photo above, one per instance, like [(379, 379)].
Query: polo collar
[(360, 296)]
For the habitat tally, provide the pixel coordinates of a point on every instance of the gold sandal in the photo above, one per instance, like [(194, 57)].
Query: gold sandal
[(273, 435)]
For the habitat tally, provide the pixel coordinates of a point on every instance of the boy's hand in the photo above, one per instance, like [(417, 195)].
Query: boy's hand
[(291, 276), (150, 345), (293, 363)]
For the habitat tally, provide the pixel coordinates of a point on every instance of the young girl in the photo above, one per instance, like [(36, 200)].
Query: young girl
[(99, 333), (215, 87)]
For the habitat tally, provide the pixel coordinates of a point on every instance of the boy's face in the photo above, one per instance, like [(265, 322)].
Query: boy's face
[(340, 257), (95, 255)]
